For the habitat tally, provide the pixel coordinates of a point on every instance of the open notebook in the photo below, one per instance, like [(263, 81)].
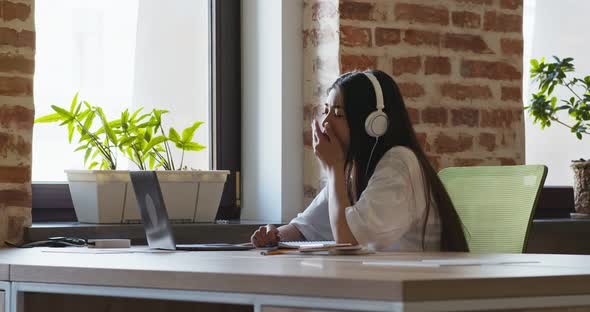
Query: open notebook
[(309, 244)]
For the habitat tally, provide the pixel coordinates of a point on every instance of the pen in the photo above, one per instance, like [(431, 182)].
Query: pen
[(277, 252)]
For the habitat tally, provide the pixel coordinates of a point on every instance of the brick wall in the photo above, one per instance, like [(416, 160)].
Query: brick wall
[(17, 55), (457, 62)]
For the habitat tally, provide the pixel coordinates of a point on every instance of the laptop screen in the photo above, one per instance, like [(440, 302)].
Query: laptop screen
[(152, 209)]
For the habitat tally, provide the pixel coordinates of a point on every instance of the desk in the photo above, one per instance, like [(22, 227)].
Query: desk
[(309, 282)]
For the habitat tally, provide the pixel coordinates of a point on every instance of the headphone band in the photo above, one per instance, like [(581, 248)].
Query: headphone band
[(377, 88)]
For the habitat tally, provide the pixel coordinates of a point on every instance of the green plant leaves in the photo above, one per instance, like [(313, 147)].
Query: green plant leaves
[(189, 133), (140, 137), (173, 135), (153, 142), (549, 76), (49, 118), (191, 146)]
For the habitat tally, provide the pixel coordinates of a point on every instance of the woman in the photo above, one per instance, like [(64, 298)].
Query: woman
[(382, 191)]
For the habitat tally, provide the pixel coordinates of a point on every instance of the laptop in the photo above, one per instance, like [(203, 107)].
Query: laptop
[(155, 216)]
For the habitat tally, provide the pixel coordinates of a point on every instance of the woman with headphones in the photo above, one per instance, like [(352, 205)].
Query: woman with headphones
[(381, 190)]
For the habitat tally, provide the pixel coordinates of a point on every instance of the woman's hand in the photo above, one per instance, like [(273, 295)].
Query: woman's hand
[(265, 236), (327, 147)]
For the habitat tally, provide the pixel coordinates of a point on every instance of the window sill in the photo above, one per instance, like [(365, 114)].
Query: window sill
[(231, 232)]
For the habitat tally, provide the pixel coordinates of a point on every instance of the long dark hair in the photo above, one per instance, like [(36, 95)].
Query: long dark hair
[(359, 100)]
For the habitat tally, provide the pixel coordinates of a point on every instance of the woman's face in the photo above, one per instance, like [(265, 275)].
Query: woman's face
[(333, 117)]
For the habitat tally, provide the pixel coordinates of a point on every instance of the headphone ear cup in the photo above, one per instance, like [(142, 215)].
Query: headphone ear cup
[(376, 124)]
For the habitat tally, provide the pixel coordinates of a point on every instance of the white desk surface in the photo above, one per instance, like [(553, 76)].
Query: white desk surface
[(301, 275)]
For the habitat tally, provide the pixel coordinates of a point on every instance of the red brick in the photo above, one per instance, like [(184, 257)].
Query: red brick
[(11, 11), (507, 161), (434, 162), (465, 42), (18, 63), (437, 65), (466, 19), (309, 112), (461, 92), (500, 22), (414, 115), (355, 36), (10, 144), (497, 118), (16, 117), (517, 114), (314, 37), (415, 13), (467, 162), (15, 198), (357, 62), (14, 86), (357, 10), (511, 94), (511, 46), (465, 117), (421, 137), (411, 89), (307, 139), (409, 65), (11, 37), (309, 191), (447, 144), (510, 4), (419, 37), (387, 36), (435, 115), (487, 140), (15, 174), (490, 70), (479, 2)]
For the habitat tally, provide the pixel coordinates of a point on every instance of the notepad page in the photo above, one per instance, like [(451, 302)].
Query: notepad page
[(297, 244)]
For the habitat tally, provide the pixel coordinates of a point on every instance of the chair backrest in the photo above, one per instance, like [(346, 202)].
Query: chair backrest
[(495, 204)]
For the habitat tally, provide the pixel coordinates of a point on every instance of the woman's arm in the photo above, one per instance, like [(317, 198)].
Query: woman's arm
[(289, 232), (337, 203), (270, 235)]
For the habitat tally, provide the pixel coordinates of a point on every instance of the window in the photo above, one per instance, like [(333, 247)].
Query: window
[(183, 56), (117, 55), (554, 28)]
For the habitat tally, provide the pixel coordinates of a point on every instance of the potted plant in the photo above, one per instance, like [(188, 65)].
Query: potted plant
[(103, 194), (544, 107)]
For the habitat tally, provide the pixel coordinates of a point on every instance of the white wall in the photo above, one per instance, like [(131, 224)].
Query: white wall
[(272, 109), (555, 28)]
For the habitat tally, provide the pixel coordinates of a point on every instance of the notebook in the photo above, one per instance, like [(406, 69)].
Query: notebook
[(309, 244)]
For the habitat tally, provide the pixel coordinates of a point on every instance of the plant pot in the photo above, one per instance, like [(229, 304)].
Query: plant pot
[(581, 186), (107, 196)]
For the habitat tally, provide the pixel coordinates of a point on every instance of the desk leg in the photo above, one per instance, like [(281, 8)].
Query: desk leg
[(4, 296), (17, 299)]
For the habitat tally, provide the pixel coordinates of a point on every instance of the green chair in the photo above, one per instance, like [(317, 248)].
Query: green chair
[(495, 204)]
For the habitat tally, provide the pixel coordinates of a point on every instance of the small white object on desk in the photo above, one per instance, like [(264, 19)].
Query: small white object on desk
[(306, 244), (109, 243)]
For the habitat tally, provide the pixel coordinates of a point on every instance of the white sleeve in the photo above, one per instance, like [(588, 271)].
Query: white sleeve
[(314, 222), (382, 214)]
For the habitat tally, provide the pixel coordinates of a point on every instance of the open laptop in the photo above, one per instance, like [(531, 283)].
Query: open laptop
[(155, 217)]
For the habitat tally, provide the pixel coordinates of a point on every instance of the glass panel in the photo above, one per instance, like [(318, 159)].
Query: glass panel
[(555, 146), (117, 55)]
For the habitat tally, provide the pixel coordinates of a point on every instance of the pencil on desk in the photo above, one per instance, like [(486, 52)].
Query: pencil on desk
[(277, 252)]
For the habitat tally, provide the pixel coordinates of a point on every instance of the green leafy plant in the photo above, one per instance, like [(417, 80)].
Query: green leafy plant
[(544, 106), (139, 137)]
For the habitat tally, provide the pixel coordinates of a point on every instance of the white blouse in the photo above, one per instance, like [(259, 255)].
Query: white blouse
[(390, 212)]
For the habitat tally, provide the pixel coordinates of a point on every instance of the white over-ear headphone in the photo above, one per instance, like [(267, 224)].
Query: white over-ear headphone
[(377, 122)]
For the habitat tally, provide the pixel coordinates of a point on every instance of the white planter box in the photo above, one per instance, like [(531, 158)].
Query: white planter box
[(107, 196)]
